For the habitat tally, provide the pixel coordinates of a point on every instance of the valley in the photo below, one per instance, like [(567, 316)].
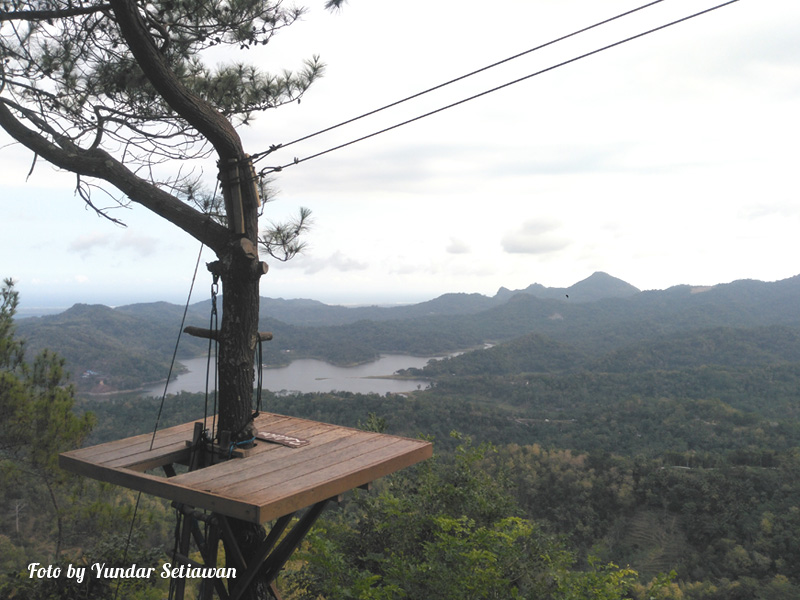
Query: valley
[(654, 429)]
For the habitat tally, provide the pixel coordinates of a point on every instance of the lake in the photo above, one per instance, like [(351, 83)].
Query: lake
[(308, 375)]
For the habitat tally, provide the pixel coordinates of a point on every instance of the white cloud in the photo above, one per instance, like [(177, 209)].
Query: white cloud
[(537, 236), (457, 246), (85, 244), (404, 268), (334, 262), (142, 245)]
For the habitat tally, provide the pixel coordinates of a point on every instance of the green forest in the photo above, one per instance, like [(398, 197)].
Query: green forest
[(660, 464)]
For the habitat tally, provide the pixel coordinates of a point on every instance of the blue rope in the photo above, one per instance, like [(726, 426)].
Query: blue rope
[(234, 445)]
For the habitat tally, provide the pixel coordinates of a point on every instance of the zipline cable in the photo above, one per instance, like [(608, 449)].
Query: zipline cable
[(297, 161), (260, 155)]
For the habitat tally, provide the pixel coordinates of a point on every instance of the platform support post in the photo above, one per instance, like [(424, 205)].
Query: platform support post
[(183, 549), (274, 560), (271, 555)]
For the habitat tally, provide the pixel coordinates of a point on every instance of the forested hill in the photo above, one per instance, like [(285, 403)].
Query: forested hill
[(312, 313), (128, 345), (715, 347)]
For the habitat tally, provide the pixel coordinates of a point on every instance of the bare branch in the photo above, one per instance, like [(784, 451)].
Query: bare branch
[(98, 163), (85, 195), (33, 166), (46, 15)]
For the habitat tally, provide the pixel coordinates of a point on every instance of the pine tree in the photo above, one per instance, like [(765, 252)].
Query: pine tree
[(36, 402), (119, 93)]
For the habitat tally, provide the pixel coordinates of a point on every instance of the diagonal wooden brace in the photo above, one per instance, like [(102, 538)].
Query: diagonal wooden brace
[(274, 560)]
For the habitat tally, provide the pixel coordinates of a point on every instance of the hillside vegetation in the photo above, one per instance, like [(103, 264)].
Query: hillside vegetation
[(134, 343)]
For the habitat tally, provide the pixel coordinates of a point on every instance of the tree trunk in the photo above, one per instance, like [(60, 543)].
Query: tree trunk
[(239, 274), (240, 271), (59, 519), (238, 267)]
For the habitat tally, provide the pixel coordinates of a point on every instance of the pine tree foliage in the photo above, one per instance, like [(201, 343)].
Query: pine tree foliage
[(134, 94), (71, 76), (36, 403), (36, 399)]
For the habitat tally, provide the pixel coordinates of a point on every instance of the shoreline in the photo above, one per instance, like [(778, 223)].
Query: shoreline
[(146, 388)]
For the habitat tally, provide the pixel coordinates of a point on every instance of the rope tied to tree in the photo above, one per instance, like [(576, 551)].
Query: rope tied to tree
[(212, 342), (240, 444)]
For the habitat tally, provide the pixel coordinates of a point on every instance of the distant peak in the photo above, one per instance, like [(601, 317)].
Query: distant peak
[(597, 286), (601, 285)]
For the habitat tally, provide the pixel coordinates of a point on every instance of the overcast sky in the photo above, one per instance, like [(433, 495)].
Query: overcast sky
[(670, 159)]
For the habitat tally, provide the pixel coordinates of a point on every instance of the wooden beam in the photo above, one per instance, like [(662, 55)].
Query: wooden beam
[(200, 332)]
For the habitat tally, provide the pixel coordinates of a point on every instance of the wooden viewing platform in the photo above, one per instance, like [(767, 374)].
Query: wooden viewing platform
[(266, 482), (260, 484)]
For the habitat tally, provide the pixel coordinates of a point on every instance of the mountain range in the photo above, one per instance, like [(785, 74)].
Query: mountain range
[(597, 319)]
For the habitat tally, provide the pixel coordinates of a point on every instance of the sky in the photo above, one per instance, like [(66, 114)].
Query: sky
[(670, 159)]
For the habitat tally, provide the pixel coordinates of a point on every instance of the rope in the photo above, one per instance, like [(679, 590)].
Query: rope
[(259, 376), (160, 410), (177, 342), (235, 445), (213, 325)]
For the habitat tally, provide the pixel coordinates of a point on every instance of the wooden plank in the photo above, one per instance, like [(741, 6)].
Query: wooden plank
[(225, 474), (291, 426), (134, 445), (274, 420), (362, 457), (237, 480), (327, 484), (279, 473), (176, 453)]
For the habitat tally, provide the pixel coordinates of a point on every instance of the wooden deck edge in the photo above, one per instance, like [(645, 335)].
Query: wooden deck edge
[(161, 487)]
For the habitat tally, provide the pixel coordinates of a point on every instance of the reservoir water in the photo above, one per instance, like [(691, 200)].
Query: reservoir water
[(308, 375)]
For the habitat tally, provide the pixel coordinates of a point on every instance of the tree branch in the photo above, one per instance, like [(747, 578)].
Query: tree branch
[(195, 110), (44, 15), (98, 163)]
